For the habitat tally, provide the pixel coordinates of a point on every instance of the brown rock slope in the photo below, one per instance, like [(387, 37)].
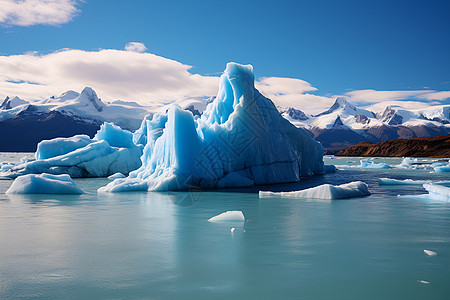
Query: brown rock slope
[(438, 146)]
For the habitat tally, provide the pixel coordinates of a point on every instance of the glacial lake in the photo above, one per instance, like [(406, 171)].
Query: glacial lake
[(161, 246)]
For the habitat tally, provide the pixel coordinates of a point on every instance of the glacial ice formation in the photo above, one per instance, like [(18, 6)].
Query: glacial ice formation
[(44, 184), (437, 192), (229, 216), (240, 140), (325, 191), (372, 165), (111, 151)]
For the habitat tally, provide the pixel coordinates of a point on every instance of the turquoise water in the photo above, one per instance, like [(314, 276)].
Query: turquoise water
[(160, 245)]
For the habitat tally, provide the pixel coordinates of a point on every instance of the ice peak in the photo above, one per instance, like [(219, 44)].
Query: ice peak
[(235, 83)]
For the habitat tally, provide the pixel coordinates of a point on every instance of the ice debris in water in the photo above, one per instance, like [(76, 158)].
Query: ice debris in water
[(429, 252), (372, 165), (325, 191), (229, 216), (423, 281), (240, 140), (111, 150), (442, 168), (437, 192), (44, 184), (116, 175), (390, 181)]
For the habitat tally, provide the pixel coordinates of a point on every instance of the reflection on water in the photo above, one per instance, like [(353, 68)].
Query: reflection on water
[(161, 246)]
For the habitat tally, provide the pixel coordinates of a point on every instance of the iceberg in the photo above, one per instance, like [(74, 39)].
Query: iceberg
[(437, 192), (44, 184), (110, 151), (229, 216), (240, 140), (372, 165), (325, 191)]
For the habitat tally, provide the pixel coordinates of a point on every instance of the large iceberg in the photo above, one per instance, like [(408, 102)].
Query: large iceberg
[(325, 191), (44, 184), (240, 139), (110, 151)]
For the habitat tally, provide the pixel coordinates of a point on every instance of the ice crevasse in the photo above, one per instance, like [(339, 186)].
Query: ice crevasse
[(240, 140)]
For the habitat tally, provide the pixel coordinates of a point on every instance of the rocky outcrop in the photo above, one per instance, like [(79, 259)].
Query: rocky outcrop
[(438, 146)]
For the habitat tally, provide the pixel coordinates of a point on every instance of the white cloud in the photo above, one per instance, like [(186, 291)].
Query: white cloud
[(135, 47), (410, 105), (114, 74), (373, 96), (33, 12), (288, 92)]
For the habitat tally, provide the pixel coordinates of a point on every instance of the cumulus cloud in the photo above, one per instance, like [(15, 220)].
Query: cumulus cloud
[(33, 12), (374, 96), (155, 81), (287, 92), (115, 74), (135, 47)]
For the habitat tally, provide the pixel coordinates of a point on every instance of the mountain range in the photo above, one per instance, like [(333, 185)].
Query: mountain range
[(344, 124), (25, 123)]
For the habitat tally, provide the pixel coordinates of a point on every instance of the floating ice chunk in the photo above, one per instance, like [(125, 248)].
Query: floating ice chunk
[(372, 165), (80, 156), (241, 139), (390, 181), (60, 146), (232, 229), (116, 175), (229, 216), (423, 281), (442, 169), (44, 184), (429, 252), (408, 163), (438, 192), (325, 191)]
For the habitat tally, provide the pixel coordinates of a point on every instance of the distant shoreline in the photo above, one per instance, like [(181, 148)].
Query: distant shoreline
[(432, 147)]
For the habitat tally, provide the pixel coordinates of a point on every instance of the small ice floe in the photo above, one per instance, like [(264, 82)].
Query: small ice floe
[(429, 252), (371, 165), (409, 163), (325, 191), (390, 181), (423, 281), (44, 184), (229, 216), (116, 175), (442, 169), (437, 192), (232, 230)]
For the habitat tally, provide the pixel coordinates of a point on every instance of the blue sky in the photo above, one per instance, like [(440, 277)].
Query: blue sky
[(335, 47)]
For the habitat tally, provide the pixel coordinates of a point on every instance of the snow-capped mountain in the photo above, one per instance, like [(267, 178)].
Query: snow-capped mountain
[(344, 124), (25, 123)]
